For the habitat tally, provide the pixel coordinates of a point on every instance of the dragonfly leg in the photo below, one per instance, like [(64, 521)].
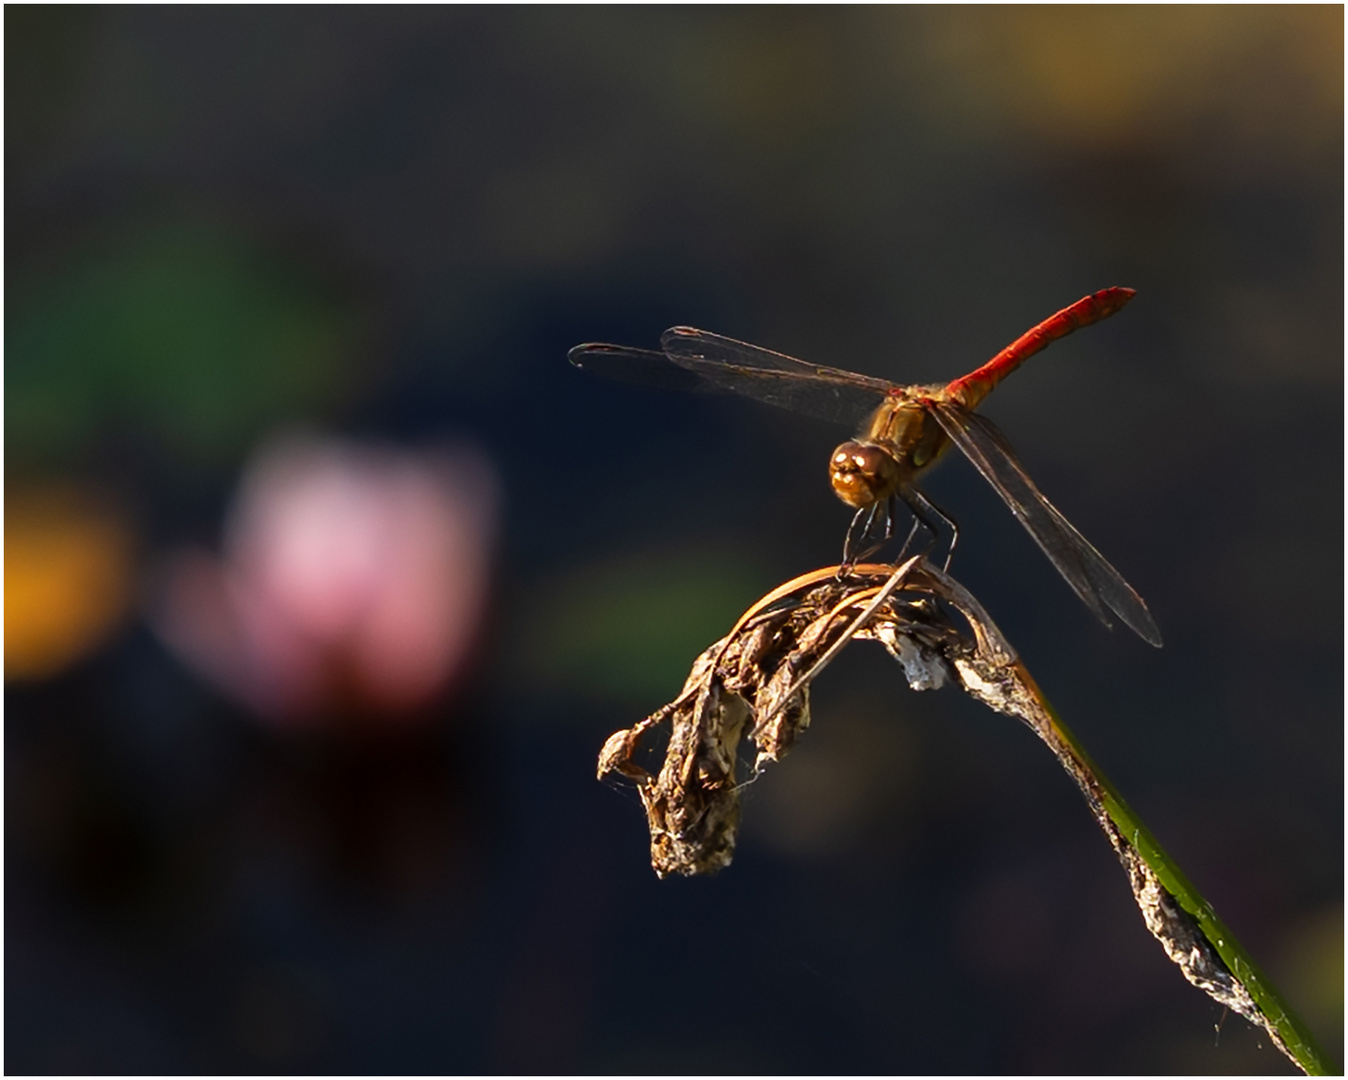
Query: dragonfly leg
[(925, 513), (853, 551), (853, 537), (912, 532)]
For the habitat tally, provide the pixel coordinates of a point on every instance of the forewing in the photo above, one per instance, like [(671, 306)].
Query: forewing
[(781, 380), (1088, 572), (645, 367)]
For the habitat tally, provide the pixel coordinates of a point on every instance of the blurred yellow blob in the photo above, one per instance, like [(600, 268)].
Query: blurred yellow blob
[(67, 578), (1310, 970), (1109, 75)]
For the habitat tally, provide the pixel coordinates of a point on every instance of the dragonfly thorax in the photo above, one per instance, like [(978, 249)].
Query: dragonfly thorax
[(863, 473)]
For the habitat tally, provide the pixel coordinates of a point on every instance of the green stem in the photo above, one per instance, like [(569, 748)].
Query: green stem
[(1299, 1042)]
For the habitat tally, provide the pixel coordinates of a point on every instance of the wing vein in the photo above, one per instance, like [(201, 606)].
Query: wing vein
[(1088, 572)]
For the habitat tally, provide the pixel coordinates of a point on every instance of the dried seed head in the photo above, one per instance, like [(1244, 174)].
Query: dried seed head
[(761, 672), (756, 681)]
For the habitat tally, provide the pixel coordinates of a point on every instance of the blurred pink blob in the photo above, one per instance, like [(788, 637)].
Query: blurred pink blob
[(354, 581)]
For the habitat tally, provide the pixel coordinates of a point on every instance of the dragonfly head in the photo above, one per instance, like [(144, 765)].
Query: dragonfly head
[(862, 473)]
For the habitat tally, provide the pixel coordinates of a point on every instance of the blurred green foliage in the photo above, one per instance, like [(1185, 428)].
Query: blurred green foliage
[(187, 334), (628, 630)]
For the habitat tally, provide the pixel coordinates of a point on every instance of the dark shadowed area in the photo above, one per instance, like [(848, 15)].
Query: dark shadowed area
[(326, 576)]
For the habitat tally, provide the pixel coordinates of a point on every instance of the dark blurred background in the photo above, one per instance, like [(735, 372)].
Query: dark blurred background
[(326, 576)]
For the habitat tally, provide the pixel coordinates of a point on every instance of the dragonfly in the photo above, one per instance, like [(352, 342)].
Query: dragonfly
[(903, 432)]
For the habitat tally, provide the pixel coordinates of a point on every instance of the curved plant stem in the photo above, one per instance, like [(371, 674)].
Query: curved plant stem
[(754, 683), (1275, 1017)]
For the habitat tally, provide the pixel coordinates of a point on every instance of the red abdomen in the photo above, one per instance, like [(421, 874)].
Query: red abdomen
[(970, 389)]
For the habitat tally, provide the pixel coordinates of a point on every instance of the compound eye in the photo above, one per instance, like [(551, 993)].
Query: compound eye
[(857, 457), (861, 474)]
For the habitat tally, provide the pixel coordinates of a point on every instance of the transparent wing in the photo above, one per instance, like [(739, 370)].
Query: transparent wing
[(824, 392), (645, 367), (1088, 572)]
